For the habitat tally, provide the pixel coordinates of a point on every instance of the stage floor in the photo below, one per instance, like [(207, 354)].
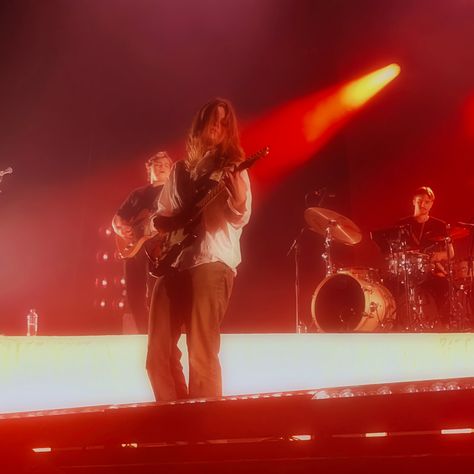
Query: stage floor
[(43, 373)]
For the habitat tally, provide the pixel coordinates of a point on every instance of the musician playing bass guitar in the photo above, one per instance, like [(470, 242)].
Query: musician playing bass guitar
[(131, 222), (195, 291)]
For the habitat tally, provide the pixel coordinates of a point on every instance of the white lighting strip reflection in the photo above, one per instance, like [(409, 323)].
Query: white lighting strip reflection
[(381, 434), (47, 373), (457, 431)]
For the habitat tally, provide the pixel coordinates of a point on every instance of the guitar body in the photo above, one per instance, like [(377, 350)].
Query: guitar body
[(165, 251), (128, 247)]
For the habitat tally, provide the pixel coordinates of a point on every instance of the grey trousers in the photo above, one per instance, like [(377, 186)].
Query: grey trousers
[(197, 300)]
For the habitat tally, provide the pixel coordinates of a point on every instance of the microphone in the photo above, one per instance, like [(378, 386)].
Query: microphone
[(321, 192)]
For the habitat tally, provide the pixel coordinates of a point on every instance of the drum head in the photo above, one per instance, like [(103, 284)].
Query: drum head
[(338, 304)]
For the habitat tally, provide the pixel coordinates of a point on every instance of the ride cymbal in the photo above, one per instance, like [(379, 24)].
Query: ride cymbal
[(342, 228)]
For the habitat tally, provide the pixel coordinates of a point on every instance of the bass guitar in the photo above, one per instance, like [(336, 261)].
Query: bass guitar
[(180, 231)]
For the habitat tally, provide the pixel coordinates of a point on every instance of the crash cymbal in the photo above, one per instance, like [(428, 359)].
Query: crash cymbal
[(342, 229), (454, 232)]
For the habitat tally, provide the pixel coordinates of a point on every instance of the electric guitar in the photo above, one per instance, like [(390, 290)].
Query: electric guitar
[(128, 247), (181, 231)]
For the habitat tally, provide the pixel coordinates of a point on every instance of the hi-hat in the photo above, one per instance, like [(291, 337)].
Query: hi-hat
[(341, 228), (454, 233)]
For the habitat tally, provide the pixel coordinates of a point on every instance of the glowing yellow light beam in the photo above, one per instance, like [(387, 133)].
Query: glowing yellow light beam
[(358, 92), (332, 110)]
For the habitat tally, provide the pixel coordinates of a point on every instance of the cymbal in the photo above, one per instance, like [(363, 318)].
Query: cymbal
[(342, 229), (454, 233)]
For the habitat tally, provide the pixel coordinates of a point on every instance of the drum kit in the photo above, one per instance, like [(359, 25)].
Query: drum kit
[(396, 297)]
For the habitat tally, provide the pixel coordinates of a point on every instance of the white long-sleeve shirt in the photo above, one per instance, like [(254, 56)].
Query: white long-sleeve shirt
[(220, 228)]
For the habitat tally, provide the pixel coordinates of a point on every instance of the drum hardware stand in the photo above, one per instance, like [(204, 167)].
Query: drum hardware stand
[(462, 295), (410, 291), (399, 255), (457, 317), (300, 326), (413, 300), (326, 255)]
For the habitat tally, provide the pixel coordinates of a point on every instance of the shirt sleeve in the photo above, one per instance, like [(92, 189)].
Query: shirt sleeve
[(240, 219), (127, 210), (170, 202)]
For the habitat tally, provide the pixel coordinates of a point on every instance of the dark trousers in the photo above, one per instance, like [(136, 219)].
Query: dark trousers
[(137, 282), (197, 299)]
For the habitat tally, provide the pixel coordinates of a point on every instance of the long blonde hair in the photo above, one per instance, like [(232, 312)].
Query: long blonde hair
[(230, 149)]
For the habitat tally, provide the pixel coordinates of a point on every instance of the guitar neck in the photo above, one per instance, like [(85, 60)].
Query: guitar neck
[(220, 187)]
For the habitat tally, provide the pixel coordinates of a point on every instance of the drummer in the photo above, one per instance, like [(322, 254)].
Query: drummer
[(427, 234)]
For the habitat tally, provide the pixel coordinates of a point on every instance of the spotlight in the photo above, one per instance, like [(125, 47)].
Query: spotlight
[(437, 387), (410, 389), (101, 282), (357, 92), (384, 390), (119, 304), (120, 281), (347, 392), (101, 303), (452, 386), (321, 394), (103, 257), (105, 231)]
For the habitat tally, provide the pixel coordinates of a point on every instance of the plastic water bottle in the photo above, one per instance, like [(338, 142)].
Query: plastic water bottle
[(32, 323)]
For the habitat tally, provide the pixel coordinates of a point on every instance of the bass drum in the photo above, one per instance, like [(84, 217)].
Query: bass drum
[(347, 303)]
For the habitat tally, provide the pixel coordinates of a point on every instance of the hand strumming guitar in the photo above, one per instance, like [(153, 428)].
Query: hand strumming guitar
[(122, 228)]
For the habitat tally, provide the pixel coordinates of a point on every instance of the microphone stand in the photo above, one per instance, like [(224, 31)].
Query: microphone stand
[(300, 326), (295, 248)]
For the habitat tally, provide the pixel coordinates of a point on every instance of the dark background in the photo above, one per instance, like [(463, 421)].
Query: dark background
[(90, 88)]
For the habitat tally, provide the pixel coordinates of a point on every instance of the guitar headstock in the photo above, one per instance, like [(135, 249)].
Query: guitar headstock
[(253, 158), (9, 170)]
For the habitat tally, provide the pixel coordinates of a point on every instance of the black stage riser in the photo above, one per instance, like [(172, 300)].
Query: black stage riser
[(392, 454)]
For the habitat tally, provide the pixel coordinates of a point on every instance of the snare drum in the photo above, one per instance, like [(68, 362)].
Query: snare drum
[(362, 273), (348, 303)]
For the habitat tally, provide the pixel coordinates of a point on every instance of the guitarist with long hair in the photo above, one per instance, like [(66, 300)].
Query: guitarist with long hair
[(131, 221), (195, 291)]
